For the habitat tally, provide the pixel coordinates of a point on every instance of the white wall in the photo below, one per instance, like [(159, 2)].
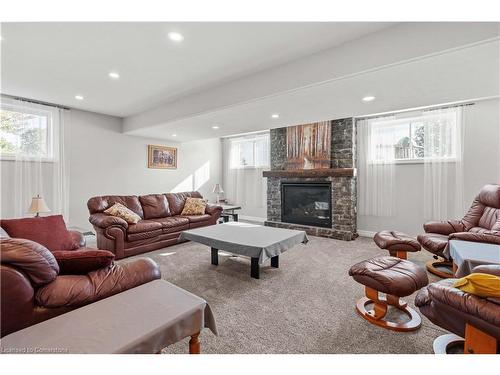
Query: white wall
[(106, 161), (481, 166)]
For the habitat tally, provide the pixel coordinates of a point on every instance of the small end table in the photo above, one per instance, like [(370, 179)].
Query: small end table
[(228, 211)]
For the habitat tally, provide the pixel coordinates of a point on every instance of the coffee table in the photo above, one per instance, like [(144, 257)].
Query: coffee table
[(258, 242)]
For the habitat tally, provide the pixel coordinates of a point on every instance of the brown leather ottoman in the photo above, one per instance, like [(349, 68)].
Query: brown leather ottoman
[(397, 243), (396, 278)]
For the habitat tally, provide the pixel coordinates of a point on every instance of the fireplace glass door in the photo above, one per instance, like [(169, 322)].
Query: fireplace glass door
[(306, 203)]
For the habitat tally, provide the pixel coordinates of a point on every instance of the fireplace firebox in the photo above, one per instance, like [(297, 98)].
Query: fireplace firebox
[(307, 204)]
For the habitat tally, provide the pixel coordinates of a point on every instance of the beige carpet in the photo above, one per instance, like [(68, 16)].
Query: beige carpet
[(305, 306)]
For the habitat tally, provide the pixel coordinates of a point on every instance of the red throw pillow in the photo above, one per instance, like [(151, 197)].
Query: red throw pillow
[(81, 262), (49, 231)]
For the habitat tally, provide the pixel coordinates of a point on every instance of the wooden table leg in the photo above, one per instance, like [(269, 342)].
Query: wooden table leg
[(194, 344), (215, 256), (254, 268), (275, 262)]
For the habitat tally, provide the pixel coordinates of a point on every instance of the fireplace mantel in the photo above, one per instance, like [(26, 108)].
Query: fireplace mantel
[(308, 173)]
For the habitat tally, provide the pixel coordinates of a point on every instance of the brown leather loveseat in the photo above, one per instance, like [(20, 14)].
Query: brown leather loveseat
[(33, 288), (160, 226)]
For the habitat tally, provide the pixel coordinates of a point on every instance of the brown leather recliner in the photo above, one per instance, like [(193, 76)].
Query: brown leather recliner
[(480, 224), (160, 226), (33, 291), (471, 317)]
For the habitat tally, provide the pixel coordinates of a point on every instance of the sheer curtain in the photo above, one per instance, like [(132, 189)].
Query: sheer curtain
[(33, 151), (433, 140), (244, 184), (377, 183), (443, 182)]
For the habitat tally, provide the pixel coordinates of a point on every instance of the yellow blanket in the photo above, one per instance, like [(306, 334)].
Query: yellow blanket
[(480, 284)]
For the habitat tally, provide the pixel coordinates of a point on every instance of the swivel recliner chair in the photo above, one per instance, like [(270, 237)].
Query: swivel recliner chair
[(480, 224)]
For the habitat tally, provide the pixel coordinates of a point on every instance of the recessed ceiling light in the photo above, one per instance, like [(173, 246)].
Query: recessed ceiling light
[(175, 36), (275, 115), (215, 127), (79, 97), (368, 98), (174, 135), (114, 75)]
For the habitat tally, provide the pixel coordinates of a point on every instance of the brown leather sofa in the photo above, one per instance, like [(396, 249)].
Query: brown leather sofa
[(480, 224), (32, 290), (160, 226), (471, 317)]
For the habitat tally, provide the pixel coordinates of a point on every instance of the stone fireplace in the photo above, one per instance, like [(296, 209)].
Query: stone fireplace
[(320, 201)]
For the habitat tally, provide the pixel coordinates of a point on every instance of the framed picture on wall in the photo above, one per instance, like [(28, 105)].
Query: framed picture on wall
[(162, 157)]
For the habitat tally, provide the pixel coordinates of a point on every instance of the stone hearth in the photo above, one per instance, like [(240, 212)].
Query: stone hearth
[(341, 176)]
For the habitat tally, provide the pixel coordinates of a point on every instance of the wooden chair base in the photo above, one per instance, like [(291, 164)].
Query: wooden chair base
[(432, 265), (479, 342), (379, 311), (401, 254), (475, 342), (444, 343)]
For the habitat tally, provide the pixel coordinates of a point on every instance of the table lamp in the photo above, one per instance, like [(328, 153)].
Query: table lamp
[(38, 206), (217, 190)]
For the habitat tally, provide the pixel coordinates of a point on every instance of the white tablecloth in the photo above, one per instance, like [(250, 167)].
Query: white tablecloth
[(467, 255)]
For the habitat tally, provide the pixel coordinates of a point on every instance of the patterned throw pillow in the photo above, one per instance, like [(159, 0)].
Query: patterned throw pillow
[(194, 206), (120, 210)]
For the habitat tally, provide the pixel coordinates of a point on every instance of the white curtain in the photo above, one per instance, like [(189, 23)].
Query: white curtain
[(244, 185), (443, 182), (376, 181), (35, 155)]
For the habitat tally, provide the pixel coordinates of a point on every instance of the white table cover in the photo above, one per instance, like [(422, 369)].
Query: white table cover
[(467, 255), (144, 319), (255, 241)]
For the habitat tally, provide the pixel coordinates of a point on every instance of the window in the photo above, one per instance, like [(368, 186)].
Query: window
[(426, 135), (250, 151), (25, 131)]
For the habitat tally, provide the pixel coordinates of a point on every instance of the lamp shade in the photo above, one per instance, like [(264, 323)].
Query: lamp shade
[(218, 189), (38, 205)]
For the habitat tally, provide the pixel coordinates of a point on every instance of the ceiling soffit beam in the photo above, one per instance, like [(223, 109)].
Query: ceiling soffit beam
[(396, 45)]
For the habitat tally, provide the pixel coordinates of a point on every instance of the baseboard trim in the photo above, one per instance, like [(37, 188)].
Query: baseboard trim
[(252, 218), (366, 233)]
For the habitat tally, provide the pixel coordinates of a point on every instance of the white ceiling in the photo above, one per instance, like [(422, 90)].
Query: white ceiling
[(55, 61)]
